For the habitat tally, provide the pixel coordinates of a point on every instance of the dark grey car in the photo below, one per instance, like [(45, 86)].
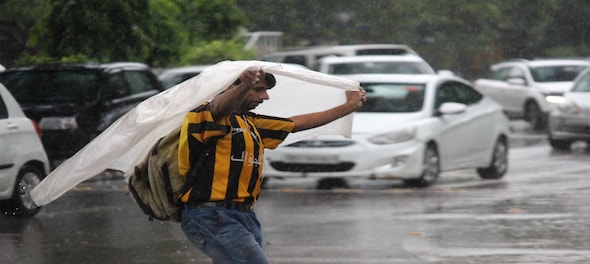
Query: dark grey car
[(73, 103)]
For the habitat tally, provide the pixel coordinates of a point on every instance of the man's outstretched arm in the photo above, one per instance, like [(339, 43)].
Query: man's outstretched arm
[(354, 101)]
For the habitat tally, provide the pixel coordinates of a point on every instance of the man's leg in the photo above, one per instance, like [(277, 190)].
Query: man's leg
[(227, 236)]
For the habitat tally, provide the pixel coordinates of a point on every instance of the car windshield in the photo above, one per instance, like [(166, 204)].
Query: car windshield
[(42, 86), (583, 85), (560, 73), (402, 67), (393, 98)]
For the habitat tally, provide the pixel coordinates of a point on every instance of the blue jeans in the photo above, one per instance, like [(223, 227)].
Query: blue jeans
[(225, 235)]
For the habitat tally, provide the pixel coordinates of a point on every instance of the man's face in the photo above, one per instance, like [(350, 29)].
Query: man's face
[(255, 96)]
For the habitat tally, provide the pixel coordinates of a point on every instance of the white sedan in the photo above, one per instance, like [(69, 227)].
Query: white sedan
[(412, 127)]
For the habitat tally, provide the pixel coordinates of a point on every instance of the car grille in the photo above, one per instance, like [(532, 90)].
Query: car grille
[(303, 167), (321, 143), (576, 129)]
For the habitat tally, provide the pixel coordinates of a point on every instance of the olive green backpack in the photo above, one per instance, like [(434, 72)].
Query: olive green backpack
[(156, 185)]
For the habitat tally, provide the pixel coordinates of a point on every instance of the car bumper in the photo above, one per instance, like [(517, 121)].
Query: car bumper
[(396, 161), (569, 127)]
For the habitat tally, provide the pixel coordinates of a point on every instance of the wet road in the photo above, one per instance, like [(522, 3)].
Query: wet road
[(537, 214)]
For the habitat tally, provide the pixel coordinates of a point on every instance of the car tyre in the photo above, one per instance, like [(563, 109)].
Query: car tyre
[(535, 116), (559, 144), (431, 165), (499, 165), (21, 204)]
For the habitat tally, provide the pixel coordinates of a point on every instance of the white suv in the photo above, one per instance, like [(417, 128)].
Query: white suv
[(23, 161), (526, 88)]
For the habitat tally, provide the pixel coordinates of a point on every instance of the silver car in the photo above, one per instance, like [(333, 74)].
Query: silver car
[(570, 121)]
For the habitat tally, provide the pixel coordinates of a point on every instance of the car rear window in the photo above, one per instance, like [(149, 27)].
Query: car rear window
[(393, 98), (562, 73), (387, 51), (43, 86), (400, 67)]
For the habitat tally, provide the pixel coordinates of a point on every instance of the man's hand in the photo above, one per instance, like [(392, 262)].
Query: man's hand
[(249, 77), (356, 97)]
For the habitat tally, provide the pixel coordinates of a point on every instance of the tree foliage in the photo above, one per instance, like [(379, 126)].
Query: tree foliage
[(463, 36), (156, 32)]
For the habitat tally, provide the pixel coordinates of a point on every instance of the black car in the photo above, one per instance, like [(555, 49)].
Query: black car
[(73, 103)]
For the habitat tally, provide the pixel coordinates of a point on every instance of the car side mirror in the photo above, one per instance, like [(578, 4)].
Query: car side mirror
[(450, 108), (516, 81)]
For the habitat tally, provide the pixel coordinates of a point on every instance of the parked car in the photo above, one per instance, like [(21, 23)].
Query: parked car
[(23, 161), (570, 121), (73, 103), (523, 87), (401, 64), (308, 56), (411, 127), (173, 76)]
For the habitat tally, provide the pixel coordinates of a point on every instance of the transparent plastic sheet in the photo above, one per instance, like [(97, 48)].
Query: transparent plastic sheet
[(124, 144)]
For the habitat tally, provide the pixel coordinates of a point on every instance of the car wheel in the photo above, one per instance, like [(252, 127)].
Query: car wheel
[(21, 203), (560, 144), (332, 183), (499, 164), (431, 165), (535, 116)]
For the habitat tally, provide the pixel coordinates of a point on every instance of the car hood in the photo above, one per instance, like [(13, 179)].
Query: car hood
[(554, 87), (371, 123)]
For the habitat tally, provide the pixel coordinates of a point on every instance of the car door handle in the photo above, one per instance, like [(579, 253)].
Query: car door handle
[(12, 126)]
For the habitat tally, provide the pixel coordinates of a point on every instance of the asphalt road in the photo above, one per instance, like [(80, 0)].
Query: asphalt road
[(538, 213)]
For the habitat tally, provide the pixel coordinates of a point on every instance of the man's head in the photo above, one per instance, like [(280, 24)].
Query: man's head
[(257, 93)]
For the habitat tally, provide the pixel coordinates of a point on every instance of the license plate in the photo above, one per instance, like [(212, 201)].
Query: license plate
[(315, 159)]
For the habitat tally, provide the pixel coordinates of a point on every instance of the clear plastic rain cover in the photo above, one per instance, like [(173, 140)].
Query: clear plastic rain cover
[(124, 144)]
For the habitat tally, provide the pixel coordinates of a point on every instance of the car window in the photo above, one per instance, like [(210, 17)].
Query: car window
[(497, 74), (296, 59), (393, 97), (51, 86), (561, 73), (387, 51), (402, 67), (138, 82), (456, 92), (467, 95), (3, 109), (583, 85), (171, 80), (515, 72), (116, 86)]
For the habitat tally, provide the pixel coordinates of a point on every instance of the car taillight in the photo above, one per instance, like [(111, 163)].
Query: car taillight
[(37, 128)]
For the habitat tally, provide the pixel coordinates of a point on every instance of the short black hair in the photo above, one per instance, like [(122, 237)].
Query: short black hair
[(270, 80)]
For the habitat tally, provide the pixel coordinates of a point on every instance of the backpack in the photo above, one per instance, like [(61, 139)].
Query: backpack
[(156, 185)]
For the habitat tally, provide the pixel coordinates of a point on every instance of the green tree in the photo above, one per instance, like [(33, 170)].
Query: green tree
[(17, 17), (156, 32)]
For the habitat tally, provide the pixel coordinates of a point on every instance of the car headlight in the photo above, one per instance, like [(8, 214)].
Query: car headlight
[(395, 136), (58, 123), (555, 99), (569, 107)]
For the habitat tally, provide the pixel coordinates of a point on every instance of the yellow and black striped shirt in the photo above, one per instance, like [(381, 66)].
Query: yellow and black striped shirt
[(238, 142)]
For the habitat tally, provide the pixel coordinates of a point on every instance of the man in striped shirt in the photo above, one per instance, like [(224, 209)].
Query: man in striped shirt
[(218, 216)]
